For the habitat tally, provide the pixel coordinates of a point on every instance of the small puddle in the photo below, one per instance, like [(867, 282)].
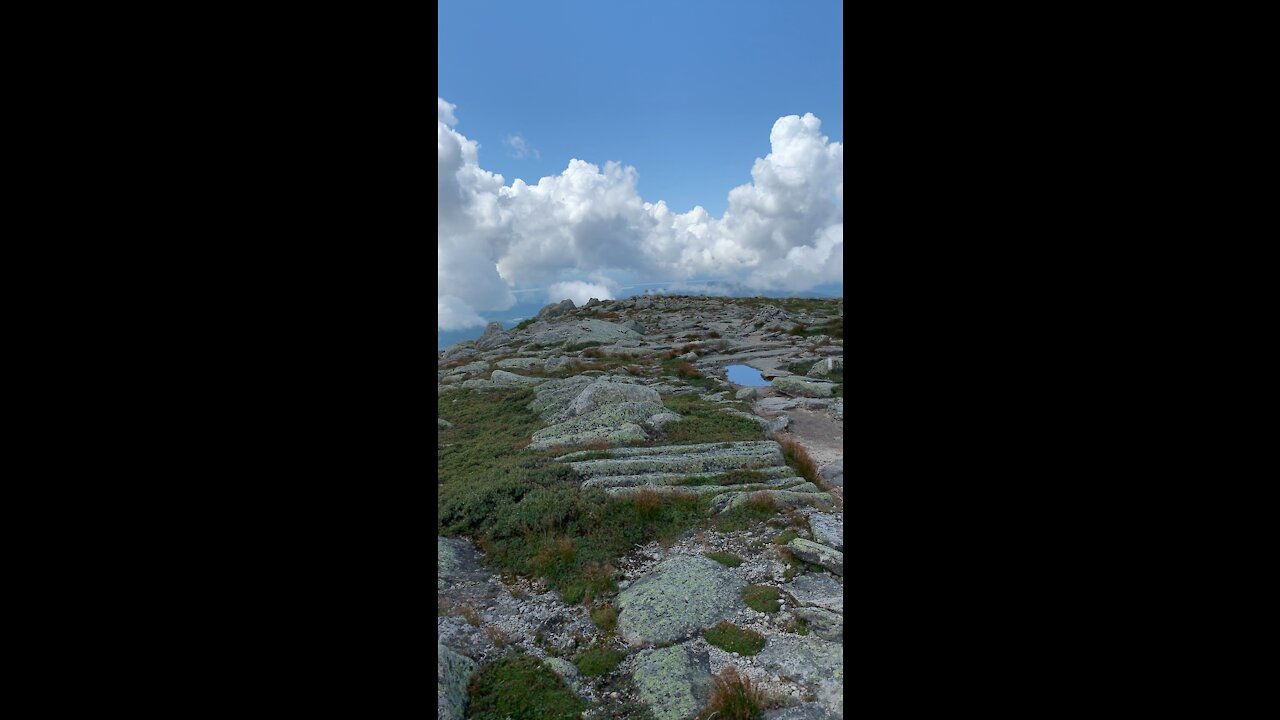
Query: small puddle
[(745, 375)]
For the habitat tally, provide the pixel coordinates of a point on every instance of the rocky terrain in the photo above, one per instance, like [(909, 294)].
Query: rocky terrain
[(641, 525)]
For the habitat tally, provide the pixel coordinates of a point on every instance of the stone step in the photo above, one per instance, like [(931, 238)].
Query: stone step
[(674, 478), (713, 459), (746, 445), (792, 484)]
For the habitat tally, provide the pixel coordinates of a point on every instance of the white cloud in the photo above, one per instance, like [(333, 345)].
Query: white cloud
[(453, 314), (520, 147), (782, 231), (577, 291)]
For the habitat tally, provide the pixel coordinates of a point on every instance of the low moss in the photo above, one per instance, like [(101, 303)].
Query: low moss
[(520, 687), (725, 558), (761, 598), (599, 661), (731, 638), (605, 617), (786, 536)]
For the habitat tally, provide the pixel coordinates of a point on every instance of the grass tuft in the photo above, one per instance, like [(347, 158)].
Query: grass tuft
[(761, 598), (731, 638), (725, 558), (734, 697), (599, 661)]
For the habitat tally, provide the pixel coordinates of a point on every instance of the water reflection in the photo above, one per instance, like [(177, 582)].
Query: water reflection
[(744, 375)]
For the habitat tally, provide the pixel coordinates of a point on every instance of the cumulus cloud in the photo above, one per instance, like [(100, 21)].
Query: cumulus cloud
[(520, 147), (577, 291), (453, 314), (782, 231)]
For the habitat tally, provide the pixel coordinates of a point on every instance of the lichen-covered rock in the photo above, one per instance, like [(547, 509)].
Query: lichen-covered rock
[(553, 396), (659, 422), (699, 459), (810, 660), (832, 560), (682, 595), (576, 332), (616, 423), (825, 367), (453, 671), (804, 711), (466, 348), (801, 387), (805, 494), (746, 393), (443, 423), (817, 590), (566, 670), (823, 623), (603, 394), (674, 682), (455, 558), (477, 384), (502, 377), (828, 529)]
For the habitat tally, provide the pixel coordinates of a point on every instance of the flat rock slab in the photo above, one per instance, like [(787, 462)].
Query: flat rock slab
[(502, 377), (823, 623), (453, 671), (828, 529), (805, 711), (833, 473), (828, 558), (812, 661), (800, 387), (818, 591), (674, 682), (682, 595), (456, 560)]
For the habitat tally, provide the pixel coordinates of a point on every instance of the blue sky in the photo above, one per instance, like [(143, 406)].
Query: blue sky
[(685, 97)]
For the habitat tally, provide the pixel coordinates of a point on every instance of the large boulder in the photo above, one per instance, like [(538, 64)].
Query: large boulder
[(602, 394), (557, 309), (674, 681), (796, 386), (453, 671), (615, 424), (683, 595), (493, 337)]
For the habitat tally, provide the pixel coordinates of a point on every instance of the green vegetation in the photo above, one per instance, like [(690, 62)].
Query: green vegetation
[(525, 323), (599, 661), (703, 422), (762, 598), (731, 638), (520, 687), (725, 558), (785, 537), (734, 697), (799, 626), (605, 617), (527, 512), (757, 508)]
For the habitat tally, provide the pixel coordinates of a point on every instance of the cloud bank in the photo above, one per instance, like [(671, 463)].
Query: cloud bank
[(782, 231)]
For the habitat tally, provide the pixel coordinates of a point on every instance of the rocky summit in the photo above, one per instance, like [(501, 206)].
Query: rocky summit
[(621, 528)]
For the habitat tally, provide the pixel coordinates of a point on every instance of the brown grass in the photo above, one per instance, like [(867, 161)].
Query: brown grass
[(798, 458), (735, 697), (687, 370), (647, 502)]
